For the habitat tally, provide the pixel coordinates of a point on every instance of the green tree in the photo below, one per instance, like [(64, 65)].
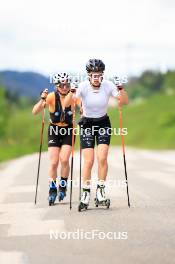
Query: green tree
[(3, 112), (152, 81), (169, 82)]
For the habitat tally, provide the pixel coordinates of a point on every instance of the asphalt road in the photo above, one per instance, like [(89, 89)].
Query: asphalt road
[(40, 234)]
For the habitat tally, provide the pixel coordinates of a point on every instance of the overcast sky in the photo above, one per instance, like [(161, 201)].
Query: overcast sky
[(49, 36)]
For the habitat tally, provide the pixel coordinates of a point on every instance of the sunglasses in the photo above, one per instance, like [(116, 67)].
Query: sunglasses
[(63, 85), (96, 75)]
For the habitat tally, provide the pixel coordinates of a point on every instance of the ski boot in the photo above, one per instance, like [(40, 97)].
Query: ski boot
[(62, 189), (85, 198), (52, 193), (100, 199)]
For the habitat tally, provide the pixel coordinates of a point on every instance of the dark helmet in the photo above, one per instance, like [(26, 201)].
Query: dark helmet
[(95, 65)]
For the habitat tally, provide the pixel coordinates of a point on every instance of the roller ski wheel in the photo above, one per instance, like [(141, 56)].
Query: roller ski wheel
[(105, 203), (82, 206)]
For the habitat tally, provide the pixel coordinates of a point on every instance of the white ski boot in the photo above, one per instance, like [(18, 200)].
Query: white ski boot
[(85, 198), (100, 197)]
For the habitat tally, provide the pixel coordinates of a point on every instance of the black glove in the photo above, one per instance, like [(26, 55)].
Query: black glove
[(44, 94)]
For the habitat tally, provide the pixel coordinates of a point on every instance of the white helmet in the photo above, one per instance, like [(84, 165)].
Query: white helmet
[(62, 77)]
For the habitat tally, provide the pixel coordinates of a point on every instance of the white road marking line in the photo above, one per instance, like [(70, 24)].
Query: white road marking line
[(22, 215), (14, 257), (23, 189), (4, 207), (26, 220), (35, 228)]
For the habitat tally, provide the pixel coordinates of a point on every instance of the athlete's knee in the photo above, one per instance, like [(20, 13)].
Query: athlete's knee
[(64, 161), (53, 165), (89, 162), (102, 161)]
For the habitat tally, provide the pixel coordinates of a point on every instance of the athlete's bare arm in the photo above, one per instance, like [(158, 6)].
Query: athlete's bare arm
[(38, 107)]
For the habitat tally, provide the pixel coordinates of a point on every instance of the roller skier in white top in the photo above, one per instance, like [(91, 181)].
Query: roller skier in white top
[(95, 94)]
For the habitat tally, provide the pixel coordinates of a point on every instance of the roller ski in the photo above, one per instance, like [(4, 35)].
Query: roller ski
[(52, 193), (100, 199), (84, 203), (62, 190)]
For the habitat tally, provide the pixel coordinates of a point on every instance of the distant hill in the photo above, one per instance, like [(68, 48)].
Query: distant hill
[(27, 84)]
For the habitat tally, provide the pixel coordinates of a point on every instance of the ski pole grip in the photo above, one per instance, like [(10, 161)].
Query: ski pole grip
[(74, 86), (44, 94)]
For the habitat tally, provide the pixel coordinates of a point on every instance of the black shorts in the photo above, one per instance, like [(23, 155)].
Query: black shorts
[(95, 131), (58, 136)]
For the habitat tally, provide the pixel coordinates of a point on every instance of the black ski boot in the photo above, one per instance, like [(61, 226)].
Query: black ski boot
[(62, 189), (52, 193)]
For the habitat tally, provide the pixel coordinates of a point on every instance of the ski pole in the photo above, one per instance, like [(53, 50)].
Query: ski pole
[(123, 149), (80, 172), (118, 84), (40, 150), (80, 160), (75, 84)]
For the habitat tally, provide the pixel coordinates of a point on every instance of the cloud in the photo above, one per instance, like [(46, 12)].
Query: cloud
[(50, 35)]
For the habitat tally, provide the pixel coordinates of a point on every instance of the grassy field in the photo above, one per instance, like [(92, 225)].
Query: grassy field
[(150, 125)]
